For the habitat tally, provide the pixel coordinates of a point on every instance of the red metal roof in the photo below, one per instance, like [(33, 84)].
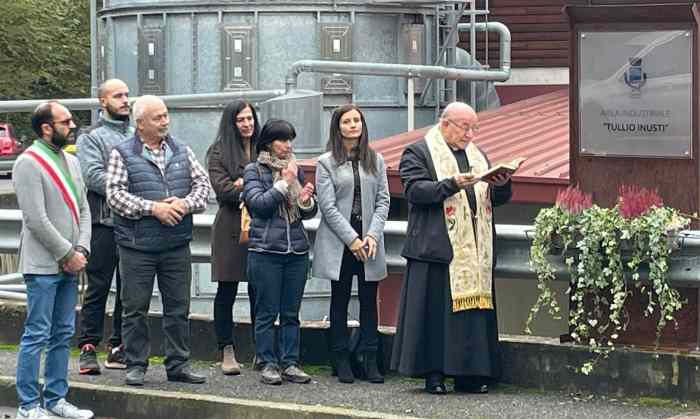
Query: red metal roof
[(537, 128)]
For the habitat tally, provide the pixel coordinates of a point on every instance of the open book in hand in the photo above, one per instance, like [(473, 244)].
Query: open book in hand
[(494, 172)]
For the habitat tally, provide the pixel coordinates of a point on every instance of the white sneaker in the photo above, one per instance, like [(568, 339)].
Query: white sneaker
[(33, 413), (63, 409)]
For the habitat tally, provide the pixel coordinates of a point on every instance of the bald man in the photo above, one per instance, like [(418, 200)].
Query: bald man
[(94, 148), (447, 319), (154, 185)]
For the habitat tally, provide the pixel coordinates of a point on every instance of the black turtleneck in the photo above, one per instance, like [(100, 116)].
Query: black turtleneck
[(354, 158), (463, 163)]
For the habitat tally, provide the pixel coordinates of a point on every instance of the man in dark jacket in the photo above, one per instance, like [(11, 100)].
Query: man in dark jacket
[(94, 148), (447, 320), (154, 185)]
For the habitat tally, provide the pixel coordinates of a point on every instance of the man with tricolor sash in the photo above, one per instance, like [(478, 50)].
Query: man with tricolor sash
[(54, 247), (447, 320)]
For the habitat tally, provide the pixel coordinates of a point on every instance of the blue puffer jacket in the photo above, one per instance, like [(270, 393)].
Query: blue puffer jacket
[(269, 230)]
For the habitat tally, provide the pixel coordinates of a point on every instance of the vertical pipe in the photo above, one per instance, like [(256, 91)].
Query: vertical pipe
[(451, 60), (411, 103), (93, 55), (472, 51), (438, 61)]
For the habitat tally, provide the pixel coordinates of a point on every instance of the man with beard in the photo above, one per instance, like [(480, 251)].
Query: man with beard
[(154, 185), (94, 148), (54, 248)]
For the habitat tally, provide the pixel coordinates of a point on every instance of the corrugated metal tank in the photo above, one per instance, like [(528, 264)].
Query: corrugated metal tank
[(186, 46)]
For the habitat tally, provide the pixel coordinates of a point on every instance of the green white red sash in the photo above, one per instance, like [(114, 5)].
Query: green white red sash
[(49, 161)]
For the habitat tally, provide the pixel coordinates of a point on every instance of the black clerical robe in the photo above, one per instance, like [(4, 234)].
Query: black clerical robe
[(430, 337)]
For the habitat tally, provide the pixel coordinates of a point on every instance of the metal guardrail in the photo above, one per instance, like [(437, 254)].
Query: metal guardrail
[(173, 101), (512, 250)]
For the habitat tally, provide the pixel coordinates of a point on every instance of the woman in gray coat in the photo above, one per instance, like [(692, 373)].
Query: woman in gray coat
[(353, 197)]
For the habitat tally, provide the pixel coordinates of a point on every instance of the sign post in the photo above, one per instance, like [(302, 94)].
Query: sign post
[(634, 107), (634, 120)]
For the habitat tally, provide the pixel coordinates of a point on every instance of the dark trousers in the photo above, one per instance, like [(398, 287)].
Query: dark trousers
[(279, 282), (226, 293), (100, 270), (340, 297), (174, 271)]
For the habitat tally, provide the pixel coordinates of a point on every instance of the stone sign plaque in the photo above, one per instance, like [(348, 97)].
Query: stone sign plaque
[(635, 93)]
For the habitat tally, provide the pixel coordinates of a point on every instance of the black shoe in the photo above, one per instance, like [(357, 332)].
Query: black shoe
[(342, 367), (135, 377), (435, 383), (116, 358), (472, 388), (470, 385), (372, 373), (88, 360), (187, 376)]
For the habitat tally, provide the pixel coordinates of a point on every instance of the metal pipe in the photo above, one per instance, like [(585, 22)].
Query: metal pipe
[(411, 104), (7, 295), (504, 50), (173, 101), (472, 52), (14, 287), (93, 53), (11, 278), (504, 41), (387, 70)]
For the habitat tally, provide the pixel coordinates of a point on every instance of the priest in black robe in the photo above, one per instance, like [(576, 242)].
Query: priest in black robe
[(447, 320)]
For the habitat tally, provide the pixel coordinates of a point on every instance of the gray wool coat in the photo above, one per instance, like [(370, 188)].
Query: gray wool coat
[(48, 230), (334, 189)]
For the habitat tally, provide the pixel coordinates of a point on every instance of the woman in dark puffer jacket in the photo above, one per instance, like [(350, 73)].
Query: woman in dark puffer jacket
[(278, 249)]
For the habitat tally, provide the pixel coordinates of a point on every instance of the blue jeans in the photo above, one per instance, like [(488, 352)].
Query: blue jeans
[(50, 324), (279, 282)]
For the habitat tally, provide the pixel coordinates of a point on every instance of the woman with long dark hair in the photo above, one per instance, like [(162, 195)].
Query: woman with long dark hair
[(233, 148), (353, 197)]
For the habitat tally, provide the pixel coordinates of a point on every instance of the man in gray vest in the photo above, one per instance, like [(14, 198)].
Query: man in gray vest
[(54, 247), (94, 148), (154, 185)]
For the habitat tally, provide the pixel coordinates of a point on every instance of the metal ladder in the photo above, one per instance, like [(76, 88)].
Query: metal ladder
[(447, 16)]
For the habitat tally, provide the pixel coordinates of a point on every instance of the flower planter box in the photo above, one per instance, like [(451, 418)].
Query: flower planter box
[(640, 330)]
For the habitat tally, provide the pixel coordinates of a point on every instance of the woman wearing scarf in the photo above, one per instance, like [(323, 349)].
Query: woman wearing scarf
[(278, 249), (447, 312), (353, 196), (233, 149)]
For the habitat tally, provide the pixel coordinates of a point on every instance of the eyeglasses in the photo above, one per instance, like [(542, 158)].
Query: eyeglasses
[(466, 128)]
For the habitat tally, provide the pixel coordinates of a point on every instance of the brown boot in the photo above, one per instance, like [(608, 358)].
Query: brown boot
[(229, 365)]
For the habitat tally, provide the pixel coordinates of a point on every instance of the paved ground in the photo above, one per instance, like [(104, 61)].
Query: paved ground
[(398, 396), (7, 412)]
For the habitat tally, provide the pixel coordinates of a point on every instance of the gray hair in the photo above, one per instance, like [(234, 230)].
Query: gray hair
[(140, 104)]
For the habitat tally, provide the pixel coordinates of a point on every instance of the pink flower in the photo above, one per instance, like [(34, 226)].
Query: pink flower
[(573, 200), (634, 200), (450, 212)]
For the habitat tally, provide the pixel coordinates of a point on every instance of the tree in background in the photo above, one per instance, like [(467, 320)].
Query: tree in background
[(44, 53)]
